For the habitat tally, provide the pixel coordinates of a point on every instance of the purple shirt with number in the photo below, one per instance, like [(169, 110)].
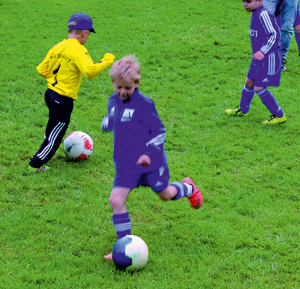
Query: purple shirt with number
[(266, 37), (264, 32)]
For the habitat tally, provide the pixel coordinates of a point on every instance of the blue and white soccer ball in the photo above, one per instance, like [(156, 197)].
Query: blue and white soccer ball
[(130, 253)]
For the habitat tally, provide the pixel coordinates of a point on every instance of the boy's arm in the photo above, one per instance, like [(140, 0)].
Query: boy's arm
[(90, 69), (107, 121), (157, 132), (270, 30), (42, 68), (156, 143)]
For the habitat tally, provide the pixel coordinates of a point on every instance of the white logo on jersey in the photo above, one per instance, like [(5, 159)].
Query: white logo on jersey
[(161, 170), (127, 115), (158, 184), (112, 111), (266, 80), (253, 33)]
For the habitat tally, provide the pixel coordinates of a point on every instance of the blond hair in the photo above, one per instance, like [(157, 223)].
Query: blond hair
[(75, 31), (127, 68)]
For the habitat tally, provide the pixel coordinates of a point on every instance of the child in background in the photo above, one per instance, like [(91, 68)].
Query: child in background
[(288, 10), (139, 155), (265, 67), (278, 14), (297, 28), (63, 68)]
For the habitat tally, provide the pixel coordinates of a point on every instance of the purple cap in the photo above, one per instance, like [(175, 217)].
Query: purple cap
[(81, 21)]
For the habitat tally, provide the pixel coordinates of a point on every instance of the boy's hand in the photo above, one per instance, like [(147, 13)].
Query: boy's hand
[(104, 123), (144, 160), (258, 55)]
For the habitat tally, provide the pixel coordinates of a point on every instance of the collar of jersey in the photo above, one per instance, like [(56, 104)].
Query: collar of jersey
[(131, 97)]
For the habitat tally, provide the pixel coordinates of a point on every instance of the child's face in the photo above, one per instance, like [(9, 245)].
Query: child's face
[(251, 5), (124, 88)]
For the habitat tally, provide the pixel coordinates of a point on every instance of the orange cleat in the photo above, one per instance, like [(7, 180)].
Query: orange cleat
[(195, 198), (108, 256)]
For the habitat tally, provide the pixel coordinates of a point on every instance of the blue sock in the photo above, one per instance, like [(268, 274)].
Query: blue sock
[(269, 100), (183, 190), (297, 37), (247, 96), (122, 224)]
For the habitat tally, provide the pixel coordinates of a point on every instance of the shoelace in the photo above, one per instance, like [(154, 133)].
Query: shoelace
[(272, 117)]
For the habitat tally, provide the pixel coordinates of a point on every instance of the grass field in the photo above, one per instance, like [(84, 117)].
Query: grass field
[(55, 227)]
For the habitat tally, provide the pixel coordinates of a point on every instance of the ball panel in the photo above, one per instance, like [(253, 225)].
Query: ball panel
[(120, 259), (137, 250), (82, 157), (88, 145), (74, 146)]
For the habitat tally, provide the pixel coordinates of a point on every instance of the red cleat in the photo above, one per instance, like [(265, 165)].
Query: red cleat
[(108, 256), (195, 198)]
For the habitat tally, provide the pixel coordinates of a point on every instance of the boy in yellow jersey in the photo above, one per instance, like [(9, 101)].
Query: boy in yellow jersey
[(63, 68)]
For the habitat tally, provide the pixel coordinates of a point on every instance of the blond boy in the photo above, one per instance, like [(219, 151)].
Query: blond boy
[(139, 154)]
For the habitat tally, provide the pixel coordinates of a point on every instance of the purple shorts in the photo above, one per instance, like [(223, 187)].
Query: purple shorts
[(158, 180), (297, 20), (266, 72)]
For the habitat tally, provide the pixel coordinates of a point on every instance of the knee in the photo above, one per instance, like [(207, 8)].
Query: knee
[(165, 195), (115, 201), (164, 198), (256, 88), (249, 83)]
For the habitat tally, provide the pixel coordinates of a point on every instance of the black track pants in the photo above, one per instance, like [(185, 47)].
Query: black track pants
[(60, 110)]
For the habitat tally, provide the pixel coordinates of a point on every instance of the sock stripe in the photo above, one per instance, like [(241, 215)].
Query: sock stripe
[(248, 89), (123, 227), (261, 92), (182, 190), (122, 224)]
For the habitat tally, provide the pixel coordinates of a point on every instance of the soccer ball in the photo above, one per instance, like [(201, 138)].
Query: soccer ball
[(78, 145), (130, 253)]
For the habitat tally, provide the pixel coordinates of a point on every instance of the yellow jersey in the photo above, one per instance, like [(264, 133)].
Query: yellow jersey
[(65, 63)]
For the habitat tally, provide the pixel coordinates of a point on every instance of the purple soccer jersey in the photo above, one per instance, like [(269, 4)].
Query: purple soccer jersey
[(137, 130), (265, 36), (264, 33)]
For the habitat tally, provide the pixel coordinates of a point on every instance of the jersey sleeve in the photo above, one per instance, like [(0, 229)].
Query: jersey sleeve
[(90, 69), (42, 68), (270, 30), (108, 120), (157, 132)]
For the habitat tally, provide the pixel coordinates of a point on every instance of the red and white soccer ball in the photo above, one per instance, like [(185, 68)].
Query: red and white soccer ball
[(78, 146)]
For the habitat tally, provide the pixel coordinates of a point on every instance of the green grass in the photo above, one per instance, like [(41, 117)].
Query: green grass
[(56, 227)]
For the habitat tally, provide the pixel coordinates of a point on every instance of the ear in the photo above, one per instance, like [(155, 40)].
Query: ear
[(84, 32), (137, 83)]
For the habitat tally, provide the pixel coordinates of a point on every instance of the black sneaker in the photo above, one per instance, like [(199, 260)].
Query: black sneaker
[(283, 67)]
